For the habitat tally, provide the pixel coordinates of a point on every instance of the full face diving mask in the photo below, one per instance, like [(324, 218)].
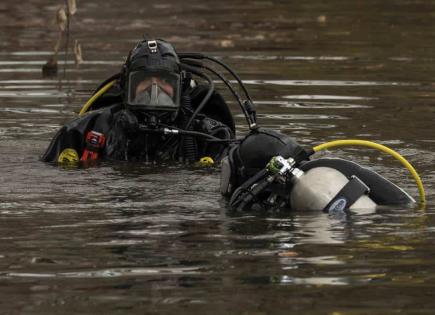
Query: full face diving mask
[(152, 81), (154, 91)]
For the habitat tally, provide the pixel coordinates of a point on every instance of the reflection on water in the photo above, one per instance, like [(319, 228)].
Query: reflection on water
[(324, 83), (131, 237)]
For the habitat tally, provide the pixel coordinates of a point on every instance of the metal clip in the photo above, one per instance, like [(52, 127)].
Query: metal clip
[(152, 45), (168, 131)]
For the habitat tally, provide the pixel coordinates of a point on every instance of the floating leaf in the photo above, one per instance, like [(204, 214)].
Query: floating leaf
[(61, 19), (78, 52), (72, 7), (226, 43), (321, 19)]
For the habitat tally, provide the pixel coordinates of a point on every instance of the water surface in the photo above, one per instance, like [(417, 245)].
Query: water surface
[(121, 238)]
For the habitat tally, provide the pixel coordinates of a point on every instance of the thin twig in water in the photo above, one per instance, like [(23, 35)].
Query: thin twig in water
[(68, 21)]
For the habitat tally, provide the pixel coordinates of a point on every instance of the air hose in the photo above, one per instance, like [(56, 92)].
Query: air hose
[(380, 147), (189, 146), (94, 97)]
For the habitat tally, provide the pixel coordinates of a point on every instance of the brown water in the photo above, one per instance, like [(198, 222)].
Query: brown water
[(136, 239)]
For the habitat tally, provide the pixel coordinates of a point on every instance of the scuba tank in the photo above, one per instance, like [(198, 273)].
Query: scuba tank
[(328, 189)]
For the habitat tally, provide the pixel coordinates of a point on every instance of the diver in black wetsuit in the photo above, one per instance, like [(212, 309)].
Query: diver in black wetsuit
[(155, 111)]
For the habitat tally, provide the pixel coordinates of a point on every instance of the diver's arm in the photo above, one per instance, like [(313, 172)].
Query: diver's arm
[(71, 136), (57, 145), (83, 138)]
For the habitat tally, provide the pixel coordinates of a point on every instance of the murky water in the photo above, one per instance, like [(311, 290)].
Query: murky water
[(131, 238)]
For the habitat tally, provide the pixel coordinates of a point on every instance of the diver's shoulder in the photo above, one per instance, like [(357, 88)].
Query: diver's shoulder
[(89, 117), (111, 109)]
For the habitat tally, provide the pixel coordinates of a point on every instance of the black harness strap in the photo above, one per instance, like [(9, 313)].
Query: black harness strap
[(348, 195)]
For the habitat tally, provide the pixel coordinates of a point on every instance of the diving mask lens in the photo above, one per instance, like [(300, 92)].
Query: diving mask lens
[(154, 91)]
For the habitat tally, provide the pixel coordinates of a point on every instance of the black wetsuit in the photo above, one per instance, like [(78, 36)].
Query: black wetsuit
[(124, 140)]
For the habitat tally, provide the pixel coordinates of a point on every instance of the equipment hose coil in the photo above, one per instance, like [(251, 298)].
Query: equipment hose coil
[(380, 147)]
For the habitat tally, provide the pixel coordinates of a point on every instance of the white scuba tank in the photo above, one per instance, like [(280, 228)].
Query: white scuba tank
[(318, 186)]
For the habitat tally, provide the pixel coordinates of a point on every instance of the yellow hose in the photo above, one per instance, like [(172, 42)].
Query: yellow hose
[(95, 97), (370, 144)]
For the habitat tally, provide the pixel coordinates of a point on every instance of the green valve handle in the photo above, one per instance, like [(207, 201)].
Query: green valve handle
[(274, 165)]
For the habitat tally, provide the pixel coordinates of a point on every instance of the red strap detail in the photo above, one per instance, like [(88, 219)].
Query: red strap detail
[(95, 140), (94, 144), (89, 155)]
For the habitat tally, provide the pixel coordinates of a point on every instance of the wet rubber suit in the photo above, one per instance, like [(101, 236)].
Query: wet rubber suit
[(268, 169), (125, 140), (177, 120)]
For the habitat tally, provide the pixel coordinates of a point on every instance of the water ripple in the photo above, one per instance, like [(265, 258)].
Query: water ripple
[(108, 273), (327, 83)]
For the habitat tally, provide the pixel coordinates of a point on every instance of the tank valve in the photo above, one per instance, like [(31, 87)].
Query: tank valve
[(282, 167)]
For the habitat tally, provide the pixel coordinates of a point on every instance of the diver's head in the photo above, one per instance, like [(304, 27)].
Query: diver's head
[(252, 155), (152, 83)]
